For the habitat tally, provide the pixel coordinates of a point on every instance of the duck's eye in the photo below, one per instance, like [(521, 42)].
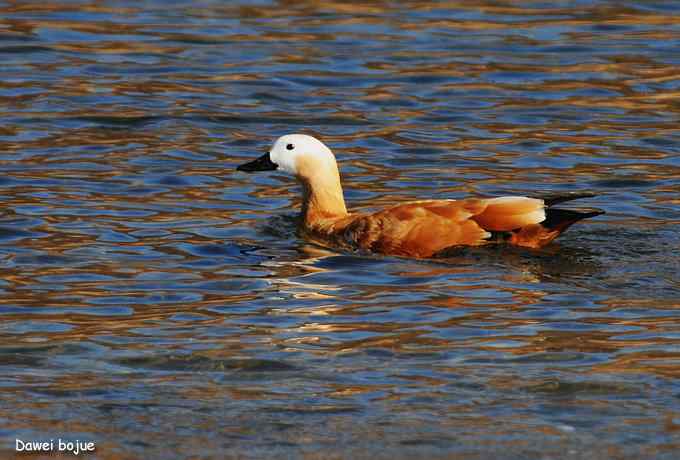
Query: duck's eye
[(290, 147)]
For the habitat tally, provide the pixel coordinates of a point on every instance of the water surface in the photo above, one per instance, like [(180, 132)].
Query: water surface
[(159, 303)]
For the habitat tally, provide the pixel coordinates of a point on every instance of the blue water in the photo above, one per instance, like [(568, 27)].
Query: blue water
[(161, 304)]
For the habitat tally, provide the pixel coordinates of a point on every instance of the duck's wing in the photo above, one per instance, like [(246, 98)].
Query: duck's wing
[(423, 228), (509, 213)]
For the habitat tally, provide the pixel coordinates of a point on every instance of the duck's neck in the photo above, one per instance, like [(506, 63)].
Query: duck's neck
[(322, 199)]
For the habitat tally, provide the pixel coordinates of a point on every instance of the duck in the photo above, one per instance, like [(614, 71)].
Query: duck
[(417, 229)]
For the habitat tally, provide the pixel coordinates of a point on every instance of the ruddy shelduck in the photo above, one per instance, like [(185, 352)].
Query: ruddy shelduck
[(413, 229)]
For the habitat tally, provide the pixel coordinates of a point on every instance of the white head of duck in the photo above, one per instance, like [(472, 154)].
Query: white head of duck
[(292, 153), (417, 228), (314, 165)]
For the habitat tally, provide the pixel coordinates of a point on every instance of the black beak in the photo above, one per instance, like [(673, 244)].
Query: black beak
[(264, 163)]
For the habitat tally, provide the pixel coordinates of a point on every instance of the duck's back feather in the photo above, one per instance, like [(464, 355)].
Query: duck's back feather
[(424, 228)]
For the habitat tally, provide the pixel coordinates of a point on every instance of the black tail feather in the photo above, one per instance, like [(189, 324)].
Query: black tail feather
[(561, 219), (553, 199)]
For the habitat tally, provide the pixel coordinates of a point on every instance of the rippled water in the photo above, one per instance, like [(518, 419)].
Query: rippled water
[(159, 303)]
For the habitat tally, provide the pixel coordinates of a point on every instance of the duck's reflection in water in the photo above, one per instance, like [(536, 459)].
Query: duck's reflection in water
[(350, 302)]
